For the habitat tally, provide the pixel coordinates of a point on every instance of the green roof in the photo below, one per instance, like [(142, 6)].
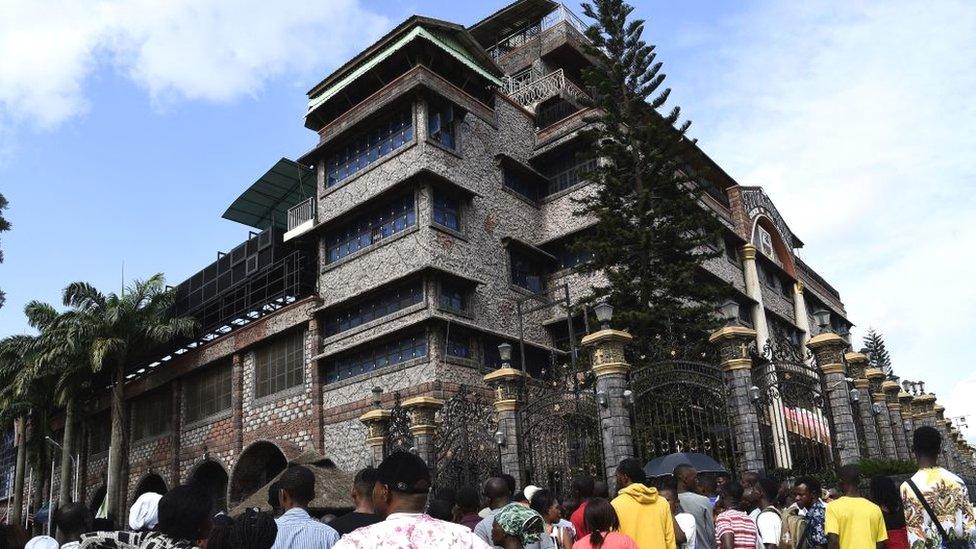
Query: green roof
[(440, 39), (266, 202)]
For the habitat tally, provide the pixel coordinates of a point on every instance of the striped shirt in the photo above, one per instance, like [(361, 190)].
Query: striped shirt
[(740, 526), (298, 530)]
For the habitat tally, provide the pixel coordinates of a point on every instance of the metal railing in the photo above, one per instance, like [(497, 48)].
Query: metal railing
[(301, 212), (550, 85), (522, 36)]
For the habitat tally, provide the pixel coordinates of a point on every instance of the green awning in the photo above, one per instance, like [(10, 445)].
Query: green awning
[(441, 40), (266, 202)]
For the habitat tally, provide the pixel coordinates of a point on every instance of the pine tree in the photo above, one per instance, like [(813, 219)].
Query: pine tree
[(875, 346), (652, 232)]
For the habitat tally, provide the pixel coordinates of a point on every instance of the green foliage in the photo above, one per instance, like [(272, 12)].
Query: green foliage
[(877, 353), (885, 467), (652, 233), (4, 227)]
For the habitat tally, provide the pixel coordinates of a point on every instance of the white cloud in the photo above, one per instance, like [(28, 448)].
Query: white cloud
[(858, 119), (194, 49)]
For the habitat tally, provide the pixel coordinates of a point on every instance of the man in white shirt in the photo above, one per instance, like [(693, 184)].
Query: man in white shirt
[(769, 521)]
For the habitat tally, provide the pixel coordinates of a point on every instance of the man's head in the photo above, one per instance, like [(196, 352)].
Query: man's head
[(807, 491), (671, 495), (73, 520), (687, 477), (583, 487), (731, 495), (601, 489), (185, 513), (768, 489), (402, 484), (749, 479), (497, 492), (707, 485), (848, 478), (629, 472), (273, 500), (362, 489), (927, 444), (468, 500), (296, 487), (510, 482)]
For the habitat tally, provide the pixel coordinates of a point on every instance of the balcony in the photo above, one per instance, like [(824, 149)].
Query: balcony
[(531, 94), (301, 218), (516, 40)]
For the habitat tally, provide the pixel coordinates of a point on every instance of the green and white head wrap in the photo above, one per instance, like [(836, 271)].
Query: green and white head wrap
[(520, 521)]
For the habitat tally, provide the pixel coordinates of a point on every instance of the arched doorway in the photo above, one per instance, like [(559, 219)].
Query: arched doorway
[(149, 483), (259, 463), (212, 478)]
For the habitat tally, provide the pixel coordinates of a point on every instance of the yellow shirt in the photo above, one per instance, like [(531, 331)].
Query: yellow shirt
[(857, 522)]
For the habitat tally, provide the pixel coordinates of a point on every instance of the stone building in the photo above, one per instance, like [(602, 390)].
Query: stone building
[(402, 249)]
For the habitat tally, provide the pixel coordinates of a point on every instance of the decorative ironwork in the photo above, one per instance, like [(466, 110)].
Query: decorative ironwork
[(464, 445), (553, 84), (794, 415), (559, 429), (398, 435)]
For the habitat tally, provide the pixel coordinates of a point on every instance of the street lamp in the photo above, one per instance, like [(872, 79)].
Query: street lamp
[(855, 396), (728, 311), (377, 397), (604, 313), (876, 409), (500, 437), (822, 318), (505, 353), (755, 394)]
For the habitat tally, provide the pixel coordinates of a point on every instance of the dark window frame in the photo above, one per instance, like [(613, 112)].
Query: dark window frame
[(443, 123), (375, 356), (446, 209), (368, 147), (208, 393), (383, 220), (458, 302), (522, 274), (152, 415), (377, 305), (279, 365)]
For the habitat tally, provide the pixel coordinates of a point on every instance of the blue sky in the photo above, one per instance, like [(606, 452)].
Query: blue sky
[(126, 128)]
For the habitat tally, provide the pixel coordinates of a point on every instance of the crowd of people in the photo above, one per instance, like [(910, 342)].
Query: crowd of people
[(395, 507)]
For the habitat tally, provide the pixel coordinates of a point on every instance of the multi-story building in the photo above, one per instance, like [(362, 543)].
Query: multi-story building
[(418, 234)]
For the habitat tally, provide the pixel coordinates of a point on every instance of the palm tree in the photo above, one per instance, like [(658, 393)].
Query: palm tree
[(14, 409), (119, 326)]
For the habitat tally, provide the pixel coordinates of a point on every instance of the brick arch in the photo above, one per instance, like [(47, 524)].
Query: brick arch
[(261, 461), (783, 252), (211, 475), (150, 482)]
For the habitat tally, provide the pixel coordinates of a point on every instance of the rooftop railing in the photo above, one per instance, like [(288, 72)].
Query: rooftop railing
[(301, 212), (522, 36), (553, 84)]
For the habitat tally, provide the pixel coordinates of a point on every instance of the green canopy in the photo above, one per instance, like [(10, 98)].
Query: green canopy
[(266, 202)]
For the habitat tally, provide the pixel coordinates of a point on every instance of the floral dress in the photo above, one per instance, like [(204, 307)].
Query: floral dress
[(947, 495)]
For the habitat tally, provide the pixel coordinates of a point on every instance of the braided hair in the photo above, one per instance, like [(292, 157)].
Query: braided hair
[(253, 530)]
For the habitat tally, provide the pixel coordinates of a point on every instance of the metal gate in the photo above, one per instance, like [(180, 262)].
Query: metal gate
[(681, 406), (559, 430), (398, 435), (465, 451), (794, 414)]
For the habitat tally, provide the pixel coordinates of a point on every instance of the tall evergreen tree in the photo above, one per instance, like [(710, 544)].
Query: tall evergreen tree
[(879, 357), (4, 227), (652, 231)]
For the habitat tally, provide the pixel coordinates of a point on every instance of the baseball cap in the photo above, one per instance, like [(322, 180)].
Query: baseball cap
[(405, 473)]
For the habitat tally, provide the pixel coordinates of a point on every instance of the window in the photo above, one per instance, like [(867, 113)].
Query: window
[(385, 137), (375, 306), (371, 227), (731, 251), (8, 458), (764, 241), (567, 170), (745, 313), (447, 210), (527, 272), (453, 297), (280, 364), (521, 184), (568, 256), (786, 287), (376, 356), (207, 393), (442, 119), (152, 415), (458, 344)]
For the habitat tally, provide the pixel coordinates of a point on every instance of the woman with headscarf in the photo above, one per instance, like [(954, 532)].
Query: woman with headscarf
[(516, 526), (184, 522), (144, 513)]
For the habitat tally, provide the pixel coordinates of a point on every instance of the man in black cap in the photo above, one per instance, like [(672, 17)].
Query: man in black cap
[(400, 496)]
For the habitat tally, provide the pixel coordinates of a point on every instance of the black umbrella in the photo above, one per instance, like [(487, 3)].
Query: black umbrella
[(664, 465)]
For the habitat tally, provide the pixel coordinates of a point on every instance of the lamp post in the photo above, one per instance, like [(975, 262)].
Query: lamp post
[(74, 461)]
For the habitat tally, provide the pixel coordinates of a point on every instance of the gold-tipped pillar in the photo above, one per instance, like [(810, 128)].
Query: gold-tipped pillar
[(905, 400), (800, 313), (891, 391), (610, 367), (882, 418), (423, 425), (940, 424), (733, 346), (828, 348), (377, 424), (754, 290), (856, 365), (507, 382)]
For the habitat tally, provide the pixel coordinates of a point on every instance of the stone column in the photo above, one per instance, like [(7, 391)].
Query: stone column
[(422, 410), (856, 365), (610, 368), (506, 381), (733, 345), (891, 390), (828, 348), (237, 402), (885, 428), (800, 313), (907, 415), (754, 291), (939, 424), (923, 410), (377, 424)]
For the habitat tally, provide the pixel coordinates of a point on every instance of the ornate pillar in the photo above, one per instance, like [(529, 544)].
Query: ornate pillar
[(923, 410), (908, 416), (856, 366), (506, 382), (422, 410), (940, 424), (377, 422), (801, 314), (754, 290), (828, 348), (610, 367), (733, 345), (891, 390), (885, 429)]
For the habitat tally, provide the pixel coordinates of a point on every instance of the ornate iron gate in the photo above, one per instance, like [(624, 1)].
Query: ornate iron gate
[(794, 414), (559, 428), (681, 406), (465, 450), (398, 435)]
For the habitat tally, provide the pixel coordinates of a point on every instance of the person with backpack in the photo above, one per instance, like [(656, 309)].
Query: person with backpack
[(769, 521), (885, 495), (812, 510)]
